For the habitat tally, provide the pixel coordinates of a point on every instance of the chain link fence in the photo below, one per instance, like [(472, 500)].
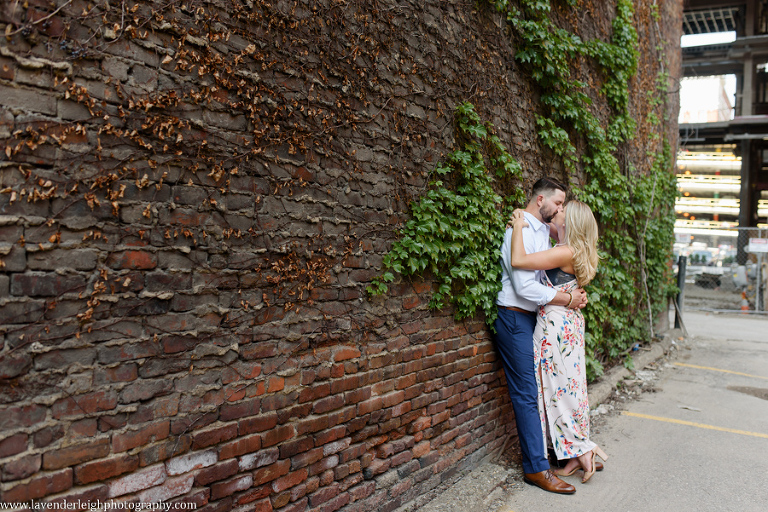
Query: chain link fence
[(726, 269)]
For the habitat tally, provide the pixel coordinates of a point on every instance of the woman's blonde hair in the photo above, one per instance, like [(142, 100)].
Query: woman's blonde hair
[(581, 237)]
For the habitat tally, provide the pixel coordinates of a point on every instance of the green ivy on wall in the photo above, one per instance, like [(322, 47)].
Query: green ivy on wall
[(457, 227), (635, 214)]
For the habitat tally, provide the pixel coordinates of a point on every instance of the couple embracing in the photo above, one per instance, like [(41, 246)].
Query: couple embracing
[(540, 333)]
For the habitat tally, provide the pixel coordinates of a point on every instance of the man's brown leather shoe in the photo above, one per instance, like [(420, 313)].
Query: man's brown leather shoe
[(549, 482)]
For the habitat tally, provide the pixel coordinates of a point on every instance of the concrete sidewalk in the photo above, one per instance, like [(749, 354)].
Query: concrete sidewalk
[(686, 431)]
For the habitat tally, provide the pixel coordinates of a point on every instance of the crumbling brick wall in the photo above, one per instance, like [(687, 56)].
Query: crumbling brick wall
[(194, 197)]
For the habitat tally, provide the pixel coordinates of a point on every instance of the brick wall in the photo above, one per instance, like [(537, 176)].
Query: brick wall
[(194, 198)]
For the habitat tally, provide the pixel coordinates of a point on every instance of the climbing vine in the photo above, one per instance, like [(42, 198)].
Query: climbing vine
[(457, 227), (635, 212), (634, 208)]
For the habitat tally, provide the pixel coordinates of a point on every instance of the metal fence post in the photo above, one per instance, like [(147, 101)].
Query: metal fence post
[(681, 261)]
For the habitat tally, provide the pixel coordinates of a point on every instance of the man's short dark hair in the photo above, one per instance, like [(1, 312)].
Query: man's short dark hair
[(547, 187)]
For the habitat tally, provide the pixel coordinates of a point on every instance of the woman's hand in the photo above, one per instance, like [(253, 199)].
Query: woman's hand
[(517, 219)]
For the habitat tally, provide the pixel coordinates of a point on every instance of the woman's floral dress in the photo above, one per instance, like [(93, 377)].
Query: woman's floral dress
[(559, 343)]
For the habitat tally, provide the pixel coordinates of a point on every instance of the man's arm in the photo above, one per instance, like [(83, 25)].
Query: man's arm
[(576, 299), (524, 281), (528, 287)]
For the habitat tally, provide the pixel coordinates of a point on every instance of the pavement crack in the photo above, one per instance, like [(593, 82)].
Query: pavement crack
[(757, 392)]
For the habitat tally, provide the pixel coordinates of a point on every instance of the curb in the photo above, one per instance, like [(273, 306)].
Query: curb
[(600, 391)]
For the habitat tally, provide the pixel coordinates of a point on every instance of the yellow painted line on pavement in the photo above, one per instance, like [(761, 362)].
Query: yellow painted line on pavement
[(720, 370), (692, 424)]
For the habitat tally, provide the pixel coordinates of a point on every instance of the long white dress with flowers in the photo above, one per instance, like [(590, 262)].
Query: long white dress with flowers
[(559, 344)]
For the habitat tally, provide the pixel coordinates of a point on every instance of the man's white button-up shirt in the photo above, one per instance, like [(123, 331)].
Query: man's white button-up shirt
[(523, 288)]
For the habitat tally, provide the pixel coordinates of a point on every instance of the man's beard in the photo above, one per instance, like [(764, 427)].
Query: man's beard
[(547, 216)]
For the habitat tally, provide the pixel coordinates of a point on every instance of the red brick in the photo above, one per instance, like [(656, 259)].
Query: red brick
[(312, 425), (376, 467), (76, 454), (123, 373), (328, 404), (189, 462), (345, 384), (158, 452), (83, 428), (13, 444), (252, 494), (289, 480), (313, 393), (401, 458), (257, 423), (421, 449), (269, 473), (306, 458), (400, 487), (171, 488), (324, 494), (289, 449), (84, 404), (128, 351), (323, 466), (40, 284), (337, 371), (281, 499), (362, 491), (278, 401), (309, 486), (221, 489), (192, 421), (461, 441), (142, 390), (401, 409), (357, 395), (192, 501), (393, 398), (264, 505), (411, 302), (225, 505), (38, 487), (406, 381), (240, 446), (216, 435), (275, 384), (132, 260), (215, 473), (138, 480), (106, 468), (385, 450), (174, 344), (441, 417), (79, 495), (330, 435), (344, 353), (233, 394), (132, 439), (278, 435), (343, 416), (240, 410), (258, 459), (21, 468), (48, 435), (336, 503), (370, 405)]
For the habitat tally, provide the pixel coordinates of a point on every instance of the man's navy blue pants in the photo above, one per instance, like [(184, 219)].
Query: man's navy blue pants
[(514, 343)]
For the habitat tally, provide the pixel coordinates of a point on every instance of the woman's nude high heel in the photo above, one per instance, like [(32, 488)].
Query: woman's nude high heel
[(595, 451)]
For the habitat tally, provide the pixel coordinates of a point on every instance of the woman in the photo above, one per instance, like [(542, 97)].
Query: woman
[(559, 335)]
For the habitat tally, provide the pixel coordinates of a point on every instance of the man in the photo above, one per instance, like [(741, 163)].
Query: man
[(518, 302)]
